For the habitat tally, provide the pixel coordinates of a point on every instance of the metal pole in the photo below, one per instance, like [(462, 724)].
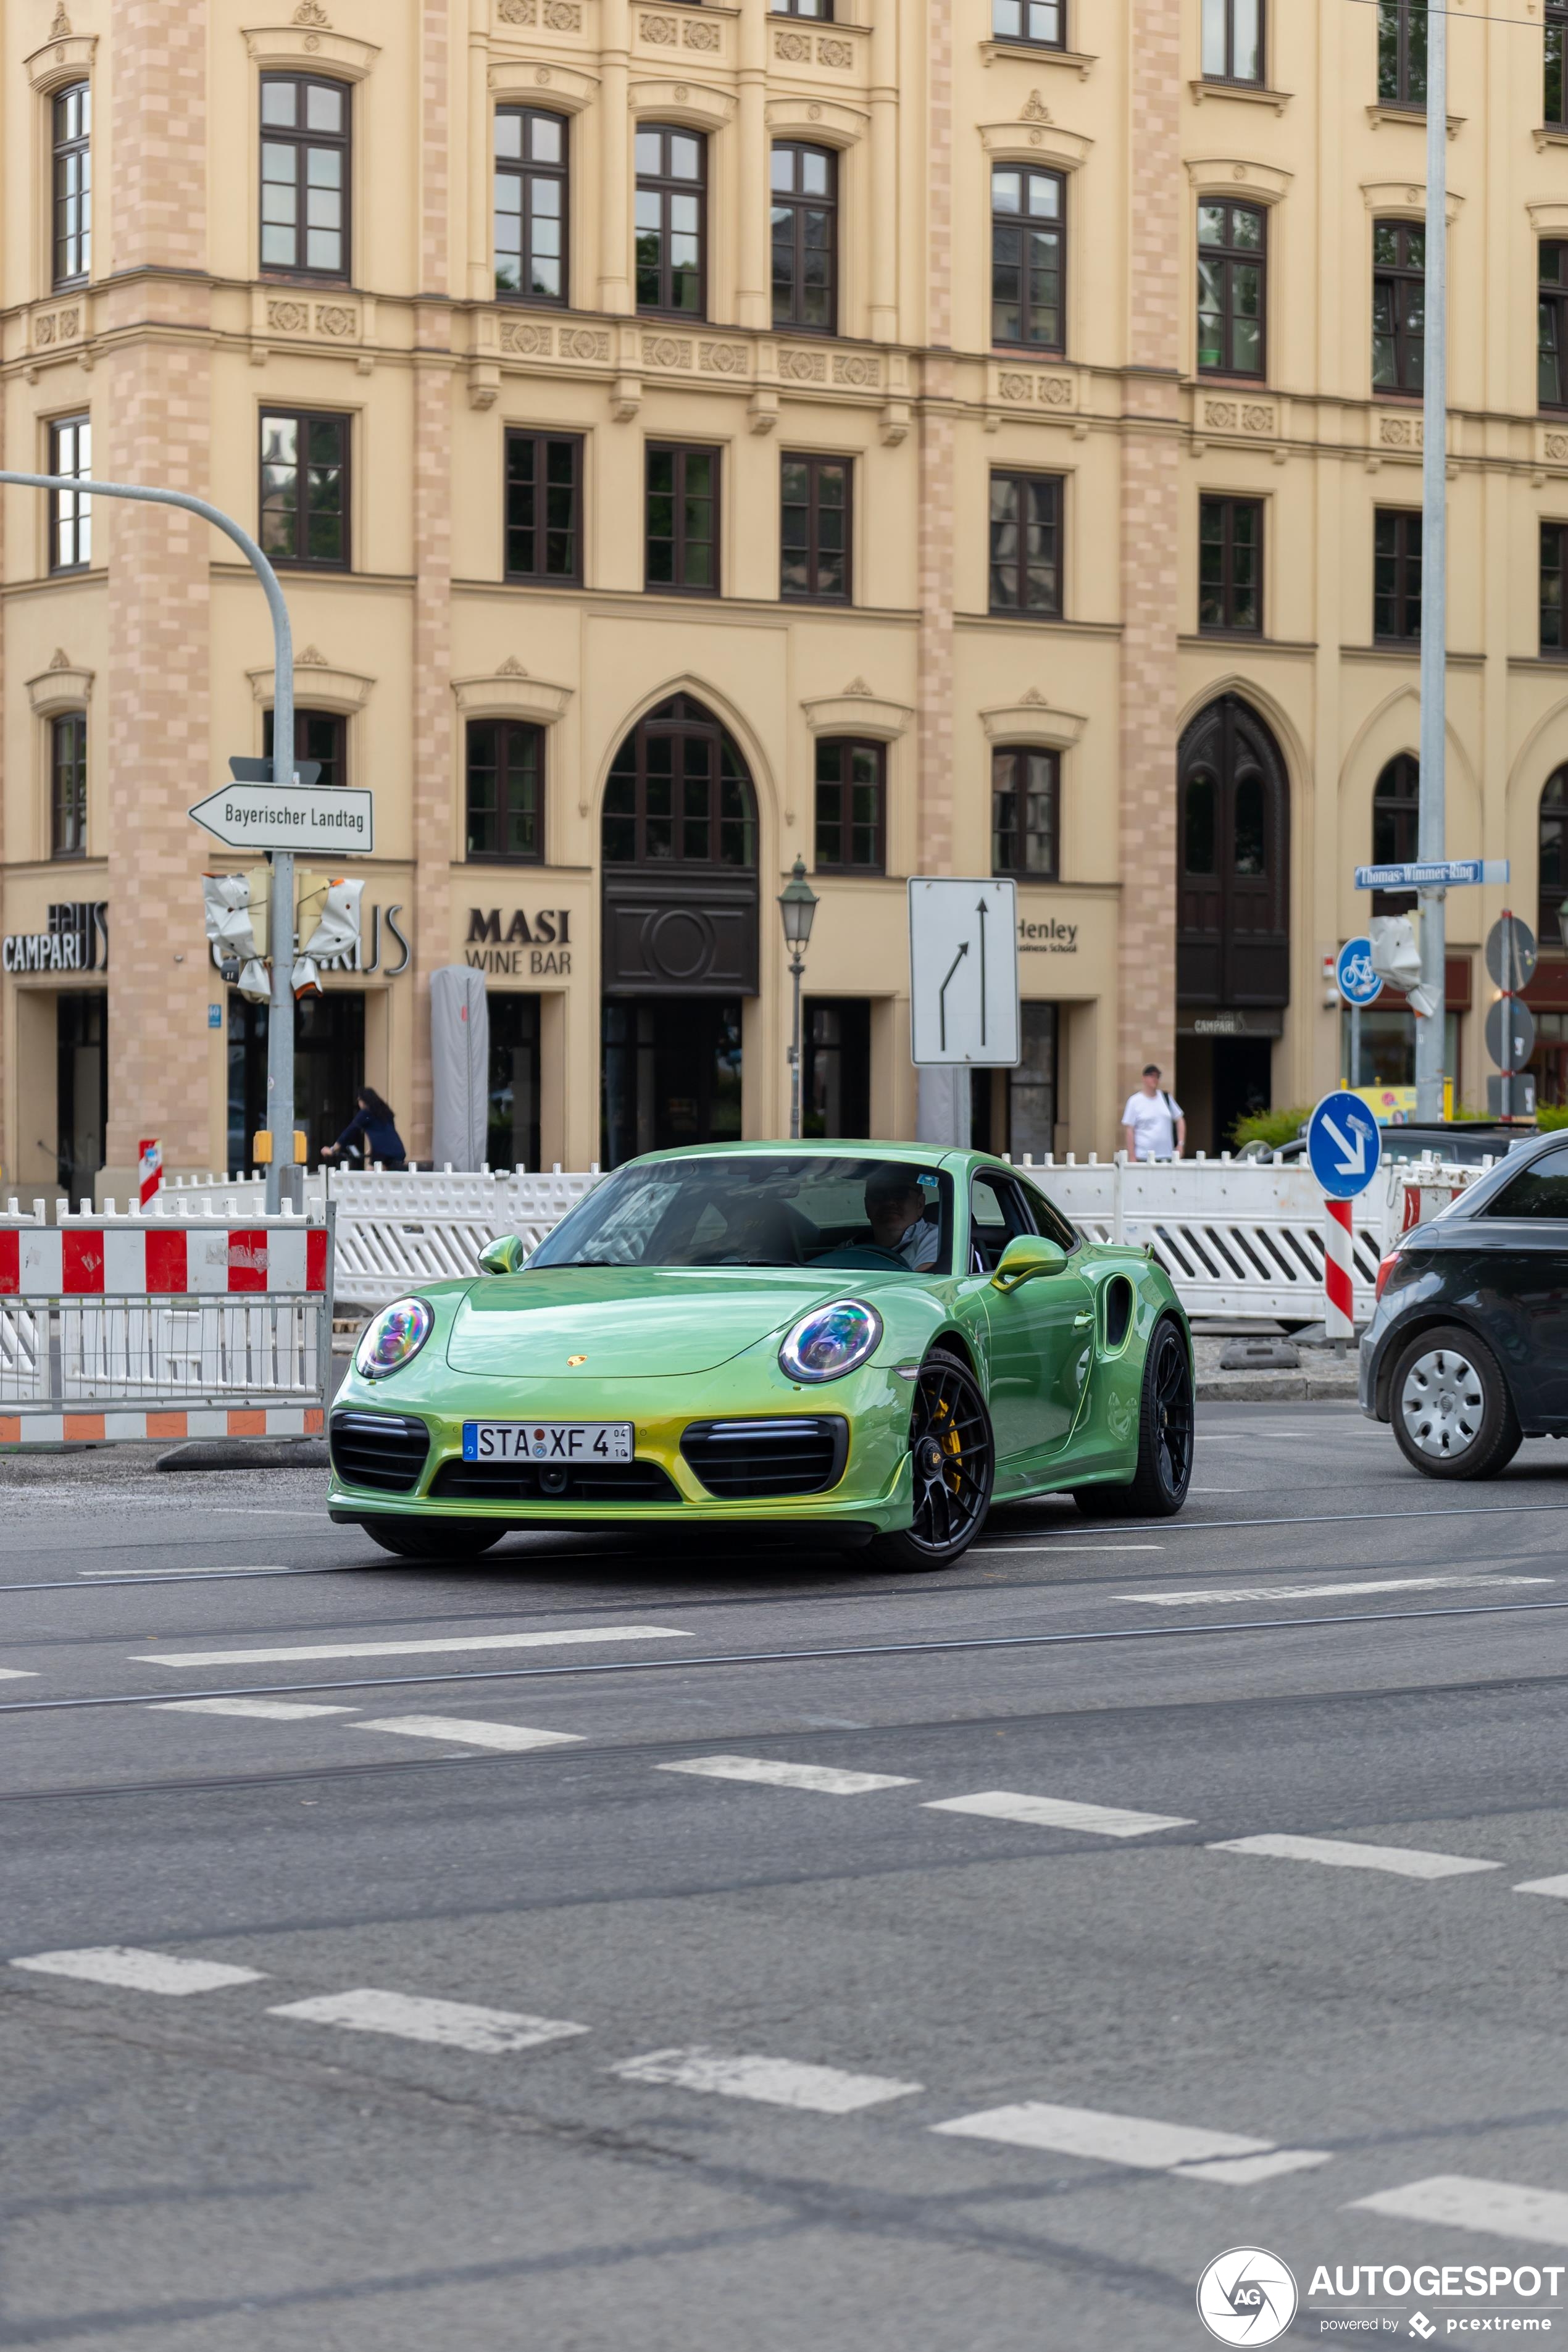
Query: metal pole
[(1355, 1047), (1505, 1092), (280, 1021), (1431, 1034), (796, 968)]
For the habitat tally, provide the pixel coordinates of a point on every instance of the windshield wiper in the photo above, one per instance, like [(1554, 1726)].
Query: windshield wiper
[(584, 1261)]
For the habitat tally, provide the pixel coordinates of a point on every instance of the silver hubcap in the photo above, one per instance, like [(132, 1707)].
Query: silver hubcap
[(1441, 1404)]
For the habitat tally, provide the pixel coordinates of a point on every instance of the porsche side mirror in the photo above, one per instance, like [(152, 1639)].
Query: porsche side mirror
[(503, 1256), (1027, 1256)]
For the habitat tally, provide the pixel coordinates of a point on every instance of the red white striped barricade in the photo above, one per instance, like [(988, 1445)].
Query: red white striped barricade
[(135, 1327), (1339, 1271)]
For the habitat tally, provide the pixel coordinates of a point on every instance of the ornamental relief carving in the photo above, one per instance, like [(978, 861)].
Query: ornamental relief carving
[(659, 31), (1401, 432), (1556, 444), (520, 335), (584, 343), (722, 359), (289, 318), (700, 37), (559, 16), (336, 320), (666, 351), (1051, 391), (795, 48), (804, 367), (54, 327), (1239, 416), (856, 368), (835, 53)]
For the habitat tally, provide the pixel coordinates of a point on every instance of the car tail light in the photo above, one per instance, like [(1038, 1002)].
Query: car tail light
[(1384, 1270)]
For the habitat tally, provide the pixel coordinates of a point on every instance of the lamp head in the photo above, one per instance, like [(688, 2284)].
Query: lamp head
[(797, 905)]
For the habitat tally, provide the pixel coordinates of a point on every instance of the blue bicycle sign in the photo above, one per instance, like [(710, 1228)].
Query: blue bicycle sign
[(1359, 985)]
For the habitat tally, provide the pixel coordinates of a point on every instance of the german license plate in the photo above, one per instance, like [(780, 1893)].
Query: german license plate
[(548, 1441)]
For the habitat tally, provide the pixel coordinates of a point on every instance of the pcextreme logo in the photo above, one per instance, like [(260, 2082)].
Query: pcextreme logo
[(1247, 2296)]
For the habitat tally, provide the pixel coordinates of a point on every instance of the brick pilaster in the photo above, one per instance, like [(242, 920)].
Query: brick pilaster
[(937, 447)]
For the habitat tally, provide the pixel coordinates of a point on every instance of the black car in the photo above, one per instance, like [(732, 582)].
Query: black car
[(1465, 1142), (1468, 1351)]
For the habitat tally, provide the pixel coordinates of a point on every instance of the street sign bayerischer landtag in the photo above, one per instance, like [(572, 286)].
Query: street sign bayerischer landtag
[(331, 818)]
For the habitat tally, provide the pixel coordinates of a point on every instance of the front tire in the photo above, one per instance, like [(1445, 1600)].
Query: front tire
[(955, 1455), (1165, 1428), (1453, 1416), (433, 1538)]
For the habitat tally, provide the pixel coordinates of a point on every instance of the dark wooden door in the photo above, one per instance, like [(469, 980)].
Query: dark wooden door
[(1233, 882)]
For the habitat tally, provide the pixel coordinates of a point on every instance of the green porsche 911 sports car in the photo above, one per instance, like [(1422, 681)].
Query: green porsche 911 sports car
[(880, 1340)]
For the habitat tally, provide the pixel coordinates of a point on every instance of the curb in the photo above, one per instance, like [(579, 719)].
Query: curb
[(1267, 1388), (249, 1453)]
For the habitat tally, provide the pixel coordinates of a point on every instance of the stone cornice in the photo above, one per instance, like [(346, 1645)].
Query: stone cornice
[(306, 50), (510, 693), (858, 711), (68, 60)]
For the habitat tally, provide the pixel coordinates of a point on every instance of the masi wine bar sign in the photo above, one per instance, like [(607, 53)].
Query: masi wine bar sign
[(77, 941), (532, 947)]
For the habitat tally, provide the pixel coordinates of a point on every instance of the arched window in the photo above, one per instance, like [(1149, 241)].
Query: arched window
[(680, 794), (1553, 852), (1233, 935), (1396, 828)]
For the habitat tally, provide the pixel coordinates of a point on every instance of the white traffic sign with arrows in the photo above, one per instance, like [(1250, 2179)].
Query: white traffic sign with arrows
[(327, 817), (964, 973)]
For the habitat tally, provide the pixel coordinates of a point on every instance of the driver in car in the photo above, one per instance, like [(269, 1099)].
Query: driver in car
[(896, 1211)]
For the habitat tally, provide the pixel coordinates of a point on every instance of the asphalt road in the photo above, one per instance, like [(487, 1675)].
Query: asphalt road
[(660, 1951)]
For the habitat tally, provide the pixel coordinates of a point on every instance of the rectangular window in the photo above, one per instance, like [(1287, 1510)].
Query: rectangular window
[(1552, 365), (318, 735), (805, 237), (530, 205), (821, 9), (68, 785), (1041, 24), (72, 183), (1230, 565), (1025, 785), (1555, 112), (1233, 40), (544, 507), (70, 514), (849, 806), (1553, 552), (682, 523), (305, 175), (813, 527), (1233, 241), (1027, 544), (1402, 52), (505, 792), (671, 219), (305, 489), (1398, 305), (1396, 576), (1028, 256)]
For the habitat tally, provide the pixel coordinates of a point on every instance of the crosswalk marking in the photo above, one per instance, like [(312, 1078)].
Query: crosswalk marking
[(512, 1736), (826, 1778), (1345, 1853), (414, 2017), (262, 1710), (1558, 1887), (550, 1640), (1455, 2201), (1319, 1591), (1057, 1814), (1134, 2140), (777, 2081), (137, 1971)]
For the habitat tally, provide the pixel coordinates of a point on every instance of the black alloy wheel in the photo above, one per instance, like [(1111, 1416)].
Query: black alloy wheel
[(1166, 1422), (954, 1457)]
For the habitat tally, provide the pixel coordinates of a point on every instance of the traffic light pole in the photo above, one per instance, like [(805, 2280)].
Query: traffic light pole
[(281, 1021), (1431, 1033)]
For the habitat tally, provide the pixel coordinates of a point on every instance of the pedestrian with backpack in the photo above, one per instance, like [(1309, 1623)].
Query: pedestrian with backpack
[(1154, 1125)]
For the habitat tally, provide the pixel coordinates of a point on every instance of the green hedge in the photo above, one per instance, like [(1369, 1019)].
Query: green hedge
[(1271, 1127)]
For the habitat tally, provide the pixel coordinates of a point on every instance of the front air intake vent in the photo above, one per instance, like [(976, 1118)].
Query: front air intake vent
[(382, 1450), (754, 1461), (545, 1482)]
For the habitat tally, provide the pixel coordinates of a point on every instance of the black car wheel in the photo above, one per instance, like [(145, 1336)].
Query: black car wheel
[(1165, 1424), (433, 1538), (954, 1457), (1453, 1416)]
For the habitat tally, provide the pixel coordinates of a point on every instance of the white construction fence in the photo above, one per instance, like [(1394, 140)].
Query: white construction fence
[(1241, 1239)]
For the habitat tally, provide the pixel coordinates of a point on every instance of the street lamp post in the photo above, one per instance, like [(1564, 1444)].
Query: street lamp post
[(1431, 1034), (797, 905)]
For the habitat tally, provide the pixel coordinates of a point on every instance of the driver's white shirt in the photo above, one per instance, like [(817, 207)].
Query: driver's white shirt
[(918, 1246)]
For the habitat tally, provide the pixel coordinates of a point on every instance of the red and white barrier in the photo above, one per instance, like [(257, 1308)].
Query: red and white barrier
[(1339, 1271), (194, 1259)]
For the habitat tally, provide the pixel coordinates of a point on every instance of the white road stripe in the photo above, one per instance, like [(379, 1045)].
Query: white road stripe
[(1057, 1814), (513, 1736), (19, 1674), (1558, 1887), (121, 1964), (825, 1778), (1320, 1592), (1456, 2202), (548, 1641), (1344, 1854), (1245, 2171), (148, 1575), (1132, 2140), (412, 2017), (265, 1711), (777, 2081), (985, 1551)]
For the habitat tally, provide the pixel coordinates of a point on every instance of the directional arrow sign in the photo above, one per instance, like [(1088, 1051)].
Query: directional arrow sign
[(325, 817), (964, 973), (1344, 1145)]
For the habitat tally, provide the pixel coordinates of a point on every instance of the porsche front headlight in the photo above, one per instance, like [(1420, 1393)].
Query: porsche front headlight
[(830, 1341), (394, 1339)]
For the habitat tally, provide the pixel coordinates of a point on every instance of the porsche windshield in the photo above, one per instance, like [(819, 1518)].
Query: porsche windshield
[(890, 1215)]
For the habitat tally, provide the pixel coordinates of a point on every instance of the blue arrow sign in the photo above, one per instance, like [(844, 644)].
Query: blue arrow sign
[(1359, 985), (1343, 1145), (1437, 874)]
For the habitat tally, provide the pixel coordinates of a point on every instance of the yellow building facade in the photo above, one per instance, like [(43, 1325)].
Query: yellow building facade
[(914, 437)]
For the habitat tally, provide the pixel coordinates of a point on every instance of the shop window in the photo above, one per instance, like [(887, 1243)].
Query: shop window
[(531, 204), (1402, 52), (505, 792), (544, 507), (1024, 789), (1230, 566), (305, 489), (1233, 40), (1028, 257), (682, 519), (512, 1134), (81, 1089), (1553, 869), (814, 528), (1398, 306), (305, 134), (71, 184), (70, 514), (671, 220), (805, 229), (850, 816), (68, 784), (329, 1068), (1026, 545), (836, 1075), (1015, 1111), (1396, 576), (1233, 243)]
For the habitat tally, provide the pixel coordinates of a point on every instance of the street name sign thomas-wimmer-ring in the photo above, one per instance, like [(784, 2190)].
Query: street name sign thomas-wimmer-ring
[(332, 818)]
